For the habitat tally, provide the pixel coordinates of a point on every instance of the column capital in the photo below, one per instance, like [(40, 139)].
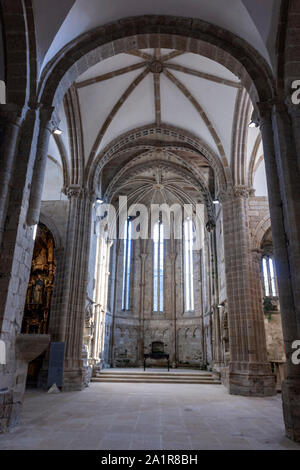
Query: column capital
[(276, 104), (48, 117), (242, 191), (47, 114), (239, 191), (77, 191), (74, 191)]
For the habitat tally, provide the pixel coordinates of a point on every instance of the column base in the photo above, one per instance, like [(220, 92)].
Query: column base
[(73, 380), (291, 408), (251, 380), (10, 411)]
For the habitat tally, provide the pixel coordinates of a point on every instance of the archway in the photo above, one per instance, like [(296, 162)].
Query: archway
[(183, 34), (193, 36), (37, 309)]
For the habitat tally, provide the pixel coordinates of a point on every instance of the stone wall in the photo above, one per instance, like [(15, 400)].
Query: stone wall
[(259, 223), (274, 337), (135, 330)]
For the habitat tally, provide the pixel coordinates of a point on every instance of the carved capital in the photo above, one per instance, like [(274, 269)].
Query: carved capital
[(242, 191), (48, 117), (78, 191), (75, 191)]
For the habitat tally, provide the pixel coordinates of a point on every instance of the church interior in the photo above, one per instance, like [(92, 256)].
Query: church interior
[(149, 224)]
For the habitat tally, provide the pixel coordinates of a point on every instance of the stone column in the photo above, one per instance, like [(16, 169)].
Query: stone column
[(10, 122), (173, 256), (98, 304), (36, 190), (114, 306), (282, 171), (249, 372), (16, 254), (143, 256), (75, 281), (108, 245)]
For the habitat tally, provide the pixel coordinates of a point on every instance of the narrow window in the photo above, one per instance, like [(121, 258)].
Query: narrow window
[(272, 277), (158, 267), (266, 277), (269, 277), (188, 266), (126, 264)]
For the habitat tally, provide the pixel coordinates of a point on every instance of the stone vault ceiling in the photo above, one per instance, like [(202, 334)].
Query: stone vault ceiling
[(154, 87)]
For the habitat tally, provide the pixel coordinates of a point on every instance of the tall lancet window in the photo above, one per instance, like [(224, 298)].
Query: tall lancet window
[(127, 264), (158, 267), (188, 266), (269, 280)]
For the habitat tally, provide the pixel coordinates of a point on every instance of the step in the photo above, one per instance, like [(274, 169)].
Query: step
[(156, 374), (168, 376), (154, 380)]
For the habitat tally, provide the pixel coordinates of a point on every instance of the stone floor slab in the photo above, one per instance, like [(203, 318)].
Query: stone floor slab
[(125, 416)]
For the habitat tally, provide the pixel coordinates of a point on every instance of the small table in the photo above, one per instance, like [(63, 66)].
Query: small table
[(157, 356)]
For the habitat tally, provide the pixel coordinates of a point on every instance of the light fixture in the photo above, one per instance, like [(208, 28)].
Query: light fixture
[(216, 201), (57, 131), (34, 232), (99, 201), (252, 124), (220, 306)]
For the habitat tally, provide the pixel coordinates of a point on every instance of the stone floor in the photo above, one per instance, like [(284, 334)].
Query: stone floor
[(148, 416)]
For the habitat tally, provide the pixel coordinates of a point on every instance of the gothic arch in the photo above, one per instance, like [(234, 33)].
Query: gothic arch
[(260, 231), (136, 139), (50, 224), (169, 32)]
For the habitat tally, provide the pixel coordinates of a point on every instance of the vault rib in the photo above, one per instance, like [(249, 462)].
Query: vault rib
[(171, 55), (109, 75), (206, 76), (141, 55), (113, 113), (157, 100), (202, 113)]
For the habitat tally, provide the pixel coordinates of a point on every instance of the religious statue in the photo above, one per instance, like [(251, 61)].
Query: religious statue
[(38, 290)]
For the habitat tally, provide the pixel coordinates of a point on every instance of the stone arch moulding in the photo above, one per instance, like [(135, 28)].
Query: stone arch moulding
[(151, 31), (50, 224), (260, 231), (123, 175), (181, 139)]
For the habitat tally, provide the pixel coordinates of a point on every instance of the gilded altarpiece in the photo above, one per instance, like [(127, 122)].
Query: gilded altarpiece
[(39, 294), (40, 287)]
